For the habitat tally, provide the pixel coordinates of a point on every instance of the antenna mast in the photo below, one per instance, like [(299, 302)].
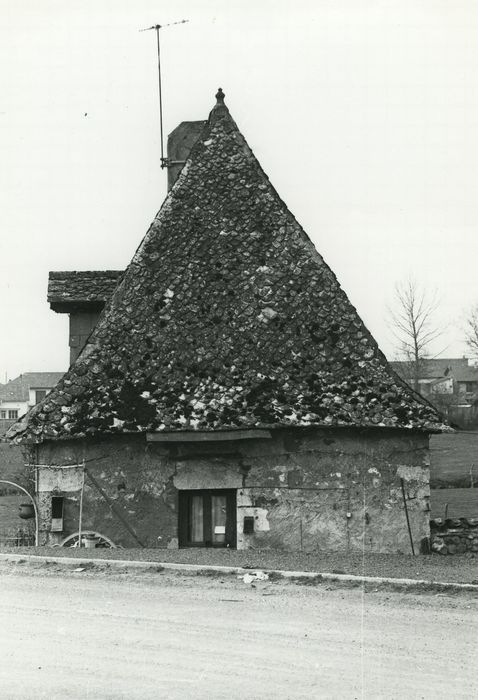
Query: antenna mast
[(164, 161)]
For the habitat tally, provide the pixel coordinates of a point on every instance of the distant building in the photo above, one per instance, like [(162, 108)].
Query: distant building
[(20, 394), (449, 383)]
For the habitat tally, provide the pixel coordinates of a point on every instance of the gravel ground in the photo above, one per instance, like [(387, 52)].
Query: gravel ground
[(453, 569), (117, 635)]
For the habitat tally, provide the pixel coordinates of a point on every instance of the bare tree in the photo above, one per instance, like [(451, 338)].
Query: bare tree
[(471, 330), (413, 325)]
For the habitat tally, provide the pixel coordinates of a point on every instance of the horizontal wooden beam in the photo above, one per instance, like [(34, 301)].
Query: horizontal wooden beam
[(208, 436)]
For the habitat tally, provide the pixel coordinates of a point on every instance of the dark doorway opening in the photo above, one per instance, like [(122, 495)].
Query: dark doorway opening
[(207, 518)]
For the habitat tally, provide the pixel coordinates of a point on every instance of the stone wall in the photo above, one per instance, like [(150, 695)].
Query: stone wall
[(307, 489), (454, 536)]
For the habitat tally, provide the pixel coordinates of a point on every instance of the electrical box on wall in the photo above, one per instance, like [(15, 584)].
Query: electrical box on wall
[(57, 514), (248, 527)]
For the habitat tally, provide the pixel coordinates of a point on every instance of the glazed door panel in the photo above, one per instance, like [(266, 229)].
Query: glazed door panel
[(207, 518)]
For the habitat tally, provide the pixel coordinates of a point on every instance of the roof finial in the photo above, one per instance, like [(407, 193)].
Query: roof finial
[(219, 111)]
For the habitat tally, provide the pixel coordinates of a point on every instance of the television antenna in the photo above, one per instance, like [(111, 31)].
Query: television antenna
[(164, 161)]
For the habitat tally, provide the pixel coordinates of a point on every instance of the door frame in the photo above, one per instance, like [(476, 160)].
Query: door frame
[(184, 518)]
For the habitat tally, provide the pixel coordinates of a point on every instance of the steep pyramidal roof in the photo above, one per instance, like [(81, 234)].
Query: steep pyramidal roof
[(227, 317)]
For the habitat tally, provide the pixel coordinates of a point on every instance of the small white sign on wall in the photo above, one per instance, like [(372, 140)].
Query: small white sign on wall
[(220, 530)]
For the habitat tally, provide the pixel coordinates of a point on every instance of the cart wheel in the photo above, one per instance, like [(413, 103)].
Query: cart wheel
[(103, 542)]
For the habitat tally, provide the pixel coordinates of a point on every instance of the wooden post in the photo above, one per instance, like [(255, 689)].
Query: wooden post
[(80, 517), (406, 514)]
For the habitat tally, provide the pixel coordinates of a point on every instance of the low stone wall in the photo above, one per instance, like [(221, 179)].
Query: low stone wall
[(454, 536)]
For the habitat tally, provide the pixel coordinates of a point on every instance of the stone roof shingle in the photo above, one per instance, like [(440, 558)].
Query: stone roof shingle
[(226, 318)]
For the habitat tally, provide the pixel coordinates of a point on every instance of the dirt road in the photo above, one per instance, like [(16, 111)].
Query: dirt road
[(126, 636)]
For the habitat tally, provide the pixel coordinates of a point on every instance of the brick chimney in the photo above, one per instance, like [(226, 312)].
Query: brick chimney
[(180, 143)]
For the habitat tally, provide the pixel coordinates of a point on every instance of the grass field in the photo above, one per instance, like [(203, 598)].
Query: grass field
[(454, 460), (454, 503)]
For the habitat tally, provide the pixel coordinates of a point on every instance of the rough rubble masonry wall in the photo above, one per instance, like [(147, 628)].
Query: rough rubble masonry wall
[(310, 490), (454, 535)]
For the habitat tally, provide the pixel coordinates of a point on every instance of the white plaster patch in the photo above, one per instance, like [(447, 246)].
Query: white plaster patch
[(261, 523), (413, 473), (202, 474), (58, 479), (423, 492), (244, 500)]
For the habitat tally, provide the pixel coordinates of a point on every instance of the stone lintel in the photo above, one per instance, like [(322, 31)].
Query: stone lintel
[(205, 436)]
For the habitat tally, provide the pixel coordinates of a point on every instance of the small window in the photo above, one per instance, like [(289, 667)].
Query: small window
[(3, 415), (57, 503), (12, 414), (40, 395)]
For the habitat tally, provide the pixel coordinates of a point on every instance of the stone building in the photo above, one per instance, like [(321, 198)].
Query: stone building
[(229, 394)]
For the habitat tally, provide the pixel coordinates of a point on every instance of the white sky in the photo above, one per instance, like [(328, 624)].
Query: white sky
[(363, 113)]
